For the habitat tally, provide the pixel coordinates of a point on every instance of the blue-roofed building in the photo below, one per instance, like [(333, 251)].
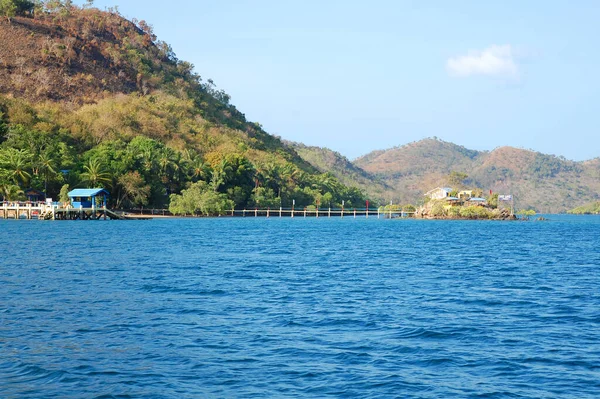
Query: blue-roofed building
[(88, 197)]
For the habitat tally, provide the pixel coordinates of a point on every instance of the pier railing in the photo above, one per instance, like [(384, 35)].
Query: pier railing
[(320, 212), (55, 211)]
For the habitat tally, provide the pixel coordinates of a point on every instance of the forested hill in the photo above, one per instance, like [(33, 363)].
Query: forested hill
[(89, 98), (542, 182), (328, 161)]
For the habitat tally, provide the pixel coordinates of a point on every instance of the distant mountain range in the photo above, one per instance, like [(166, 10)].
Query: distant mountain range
[(403, 174)]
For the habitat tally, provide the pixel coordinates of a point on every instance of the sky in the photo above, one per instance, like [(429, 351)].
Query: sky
[(356, 76)]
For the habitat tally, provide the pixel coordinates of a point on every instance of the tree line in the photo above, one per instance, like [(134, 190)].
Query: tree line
[(50, 148)]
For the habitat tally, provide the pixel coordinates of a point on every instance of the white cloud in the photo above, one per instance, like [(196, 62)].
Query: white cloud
[(493, 61)]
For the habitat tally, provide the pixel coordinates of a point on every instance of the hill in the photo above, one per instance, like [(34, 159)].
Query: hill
[(328, 161), (416, 167), (88, 97), (542, 182)]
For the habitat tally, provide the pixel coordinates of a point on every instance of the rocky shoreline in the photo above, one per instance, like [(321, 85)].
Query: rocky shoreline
[(442, 211)]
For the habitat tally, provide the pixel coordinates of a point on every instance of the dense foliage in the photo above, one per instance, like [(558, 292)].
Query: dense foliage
[(588, 209), (146, 150)]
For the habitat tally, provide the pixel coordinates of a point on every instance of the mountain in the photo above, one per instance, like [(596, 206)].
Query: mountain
[(89, 98), (416, 167), (328, 161), (542, 182)]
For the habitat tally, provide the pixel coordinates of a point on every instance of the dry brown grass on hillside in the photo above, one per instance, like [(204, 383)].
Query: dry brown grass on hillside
[(511, 158), (542, 182), (65, 59)]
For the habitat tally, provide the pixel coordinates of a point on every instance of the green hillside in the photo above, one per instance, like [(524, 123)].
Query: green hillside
[(328, 161), (88, 98)]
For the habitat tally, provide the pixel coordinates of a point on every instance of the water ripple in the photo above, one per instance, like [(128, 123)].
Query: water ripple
[(271, 308)]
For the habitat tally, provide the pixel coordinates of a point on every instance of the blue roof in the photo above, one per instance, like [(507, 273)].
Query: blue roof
[(477, 199), (87, 192)]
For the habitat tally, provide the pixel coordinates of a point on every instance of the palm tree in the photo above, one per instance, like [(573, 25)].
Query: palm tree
[(17, 163), (221, 174), (12, 192), (47, 165), (198, 169), (95, 173)]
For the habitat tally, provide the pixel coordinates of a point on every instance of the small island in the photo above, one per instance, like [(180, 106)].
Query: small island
[(449, 203)]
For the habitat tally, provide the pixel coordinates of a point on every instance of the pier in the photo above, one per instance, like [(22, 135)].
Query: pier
[(44, 211), (320, 213)]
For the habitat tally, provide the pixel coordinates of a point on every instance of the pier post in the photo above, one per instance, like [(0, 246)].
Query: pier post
[(268, 211), (244, 213), (329, 213), (280, 210), (354, 213), (304, 211), (255, 212)]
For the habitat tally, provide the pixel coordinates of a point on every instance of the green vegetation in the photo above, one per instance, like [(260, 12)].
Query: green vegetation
[(328, 161), (461, 209), (526, 213), (589, 209), (114, 107)]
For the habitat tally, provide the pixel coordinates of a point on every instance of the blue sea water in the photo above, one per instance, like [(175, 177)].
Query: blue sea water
[(300, 308)]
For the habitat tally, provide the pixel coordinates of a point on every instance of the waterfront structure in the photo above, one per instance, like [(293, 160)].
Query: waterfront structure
[(34, 195), (439, 193), (88, 197)]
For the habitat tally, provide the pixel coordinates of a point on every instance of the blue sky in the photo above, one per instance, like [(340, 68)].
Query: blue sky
[(356, 76)]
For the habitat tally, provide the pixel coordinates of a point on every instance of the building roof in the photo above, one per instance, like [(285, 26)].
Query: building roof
[(33, 191), (87, 192), (446, 189), (477, 199)]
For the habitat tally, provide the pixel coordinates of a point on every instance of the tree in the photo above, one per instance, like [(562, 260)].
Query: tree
[(135, 190), (198, 169), (64, 194), (17, 164), (47, 166), (95, 173), (12, 192), (8, 8), (456, 179), (200, 198)]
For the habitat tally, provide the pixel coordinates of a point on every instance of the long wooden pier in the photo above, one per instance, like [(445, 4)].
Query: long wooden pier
[(43, 211), (316, 213)]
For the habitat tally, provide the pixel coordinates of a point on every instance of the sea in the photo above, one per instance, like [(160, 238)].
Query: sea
[(300, 308)]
